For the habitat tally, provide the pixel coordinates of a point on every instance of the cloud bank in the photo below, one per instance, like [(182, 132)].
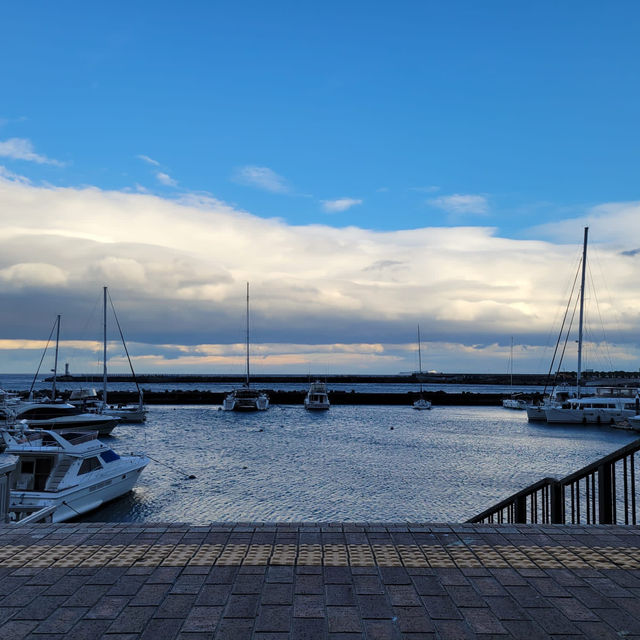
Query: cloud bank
[(176, 269)]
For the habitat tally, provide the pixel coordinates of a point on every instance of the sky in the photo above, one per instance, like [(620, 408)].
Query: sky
[(367, 166)]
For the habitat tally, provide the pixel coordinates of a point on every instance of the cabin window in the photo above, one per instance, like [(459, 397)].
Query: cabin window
[(90, 464), (109, 456), (26, 466)]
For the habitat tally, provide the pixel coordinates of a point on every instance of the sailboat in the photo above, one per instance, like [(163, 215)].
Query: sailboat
[(609, 404), (513, 402), (89, 398), (53, 413), (420, 404), (245, 398)]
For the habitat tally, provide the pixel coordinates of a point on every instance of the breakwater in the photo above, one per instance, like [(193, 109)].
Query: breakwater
[(197, 397)]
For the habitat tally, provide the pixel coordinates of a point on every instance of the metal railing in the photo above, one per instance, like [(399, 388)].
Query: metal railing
[(603, 492)]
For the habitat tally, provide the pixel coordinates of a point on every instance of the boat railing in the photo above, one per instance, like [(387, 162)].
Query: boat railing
[(603, 492)]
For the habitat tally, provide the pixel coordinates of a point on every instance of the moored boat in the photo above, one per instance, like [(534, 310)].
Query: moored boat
[(245, 398), (65, 474), (317, 398)]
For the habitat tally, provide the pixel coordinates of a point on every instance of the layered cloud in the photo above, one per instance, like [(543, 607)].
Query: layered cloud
[(177, 269)]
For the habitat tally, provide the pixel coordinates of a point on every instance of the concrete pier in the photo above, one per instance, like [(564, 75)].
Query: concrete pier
[(310, 580)]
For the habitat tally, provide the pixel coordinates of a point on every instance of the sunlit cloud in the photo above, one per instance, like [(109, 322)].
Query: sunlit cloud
[(341, 204), (23, 149), (261, 178), (177, 270)]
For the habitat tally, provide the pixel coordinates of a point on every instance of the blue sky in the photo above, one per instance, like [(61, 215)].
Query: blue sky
[(384, 117)]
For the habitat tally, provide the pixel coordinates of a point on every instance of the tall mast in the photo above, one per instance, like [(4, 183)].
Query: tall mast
[(419, 359), (511, 362), (55, 362), (104, 346), (584, 269), (247, 335)]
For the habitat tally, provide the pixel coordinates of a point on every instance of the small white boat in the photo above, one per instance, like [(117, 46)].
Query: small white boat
[(421, 403), (245, 398), (514, 403), (64, 474), (57, 415), (317, 398)]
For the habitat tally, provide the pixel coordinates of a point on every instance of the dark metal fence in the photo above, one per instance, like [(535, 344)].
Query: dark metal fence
[(603, 492)]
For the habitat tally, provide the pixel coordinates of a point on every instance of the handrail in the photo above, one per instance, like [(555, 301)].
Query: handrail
[(597, 493)]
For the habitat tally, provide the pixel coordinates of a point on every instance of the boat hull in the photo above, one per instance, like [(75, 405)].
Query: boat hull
[(558, 415), (76, 501), (104, 426)]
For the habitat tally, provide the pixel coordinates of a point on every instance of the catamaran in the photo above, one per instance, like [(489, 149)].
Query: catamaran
[(421, 403), (245, 398)]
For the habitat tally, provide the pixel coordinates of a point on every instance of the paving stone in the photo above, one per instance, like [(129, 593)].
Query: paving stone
[(404, 595), (87, 630), (150, 594), (108, 607), (213, 595), (308, 606), (309, 584), (61, 620), (343, 619), (429, 586), (242, 606), (521, 629), (202, 619), (465, 596), (413, 620), (309, 629), (39, 609), (131, 620), (381, 630), (483, 621), (274, 618), (277, 593), (441, 607), (374, 606), (235, 629), (175, 606), (16, 629), (162, 629)]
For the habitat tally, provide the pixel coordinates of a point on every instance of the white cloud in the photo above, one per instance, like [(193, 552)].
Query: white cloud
[(148, 160), (22, 149), (341, 204), (177, 271), (461, 203), (166, 179), (262, 178)]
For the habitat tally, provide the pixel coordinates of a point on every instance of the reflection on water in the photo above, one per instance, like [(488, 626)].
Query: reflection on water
[(352, 463)]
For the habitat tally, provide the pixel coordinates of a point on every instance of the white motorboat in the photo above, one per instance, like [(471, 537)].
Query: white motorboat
[(66, 474), (245, 398), (57, 415), (421, 403), (317, 398)]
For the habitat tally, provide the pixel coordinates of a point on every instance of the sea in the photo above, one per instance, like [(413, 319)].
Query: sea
[(351, 463)]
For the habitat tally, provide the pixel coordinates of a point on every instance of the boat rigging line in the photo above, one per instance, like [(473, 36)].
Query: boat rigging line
[(164, 464)]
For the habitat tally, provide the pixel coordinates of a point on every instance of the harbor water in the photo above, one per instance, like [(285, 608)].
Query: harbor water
[(351, 463)]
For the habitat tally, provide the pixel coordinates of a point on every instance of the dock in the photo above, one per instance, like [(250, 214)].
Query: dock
[(306, 581)]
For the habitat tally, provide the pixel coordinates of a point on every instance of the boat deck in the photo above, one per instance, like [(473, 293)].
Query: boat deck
[(309, 580)]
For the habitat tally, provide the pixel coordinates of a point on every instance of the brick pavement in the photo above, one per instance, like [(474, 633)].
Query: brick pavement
[(303, 581)]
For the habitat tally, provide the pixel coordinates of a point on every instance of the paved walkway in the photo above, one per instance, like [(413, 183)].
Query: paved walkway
[(306, 581)]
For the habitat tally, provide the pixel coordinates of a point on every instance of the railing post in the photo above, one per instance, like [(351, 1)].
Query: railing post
[(520, 505), (605, 497), (557, 503)]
